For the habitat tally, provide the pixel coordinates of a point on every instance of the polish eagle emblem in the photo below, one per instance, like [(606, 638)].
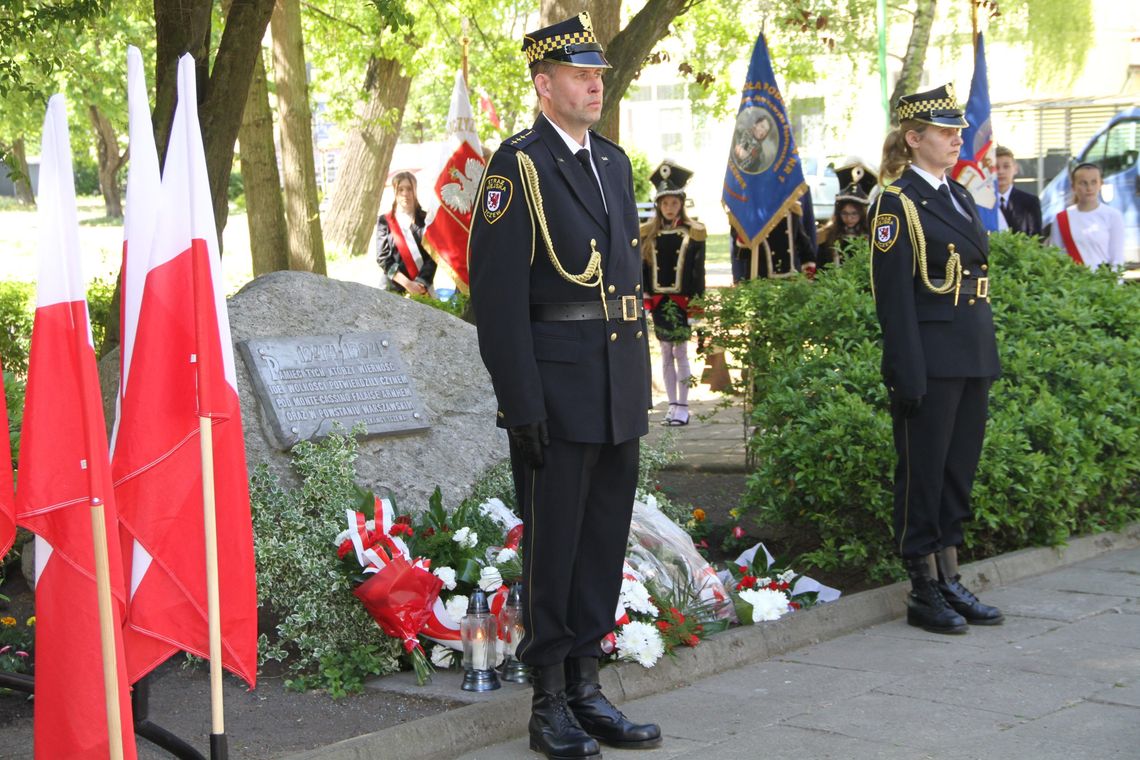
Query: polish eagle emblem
[(460, 195)]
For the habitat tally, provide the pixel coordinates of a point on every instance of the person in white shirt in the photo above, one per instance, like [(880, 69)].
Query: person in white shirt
[(1091, 232)]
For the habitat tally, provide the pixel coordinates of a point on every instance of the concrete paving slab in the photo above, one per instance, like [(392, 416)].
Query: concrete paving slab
[(1090, 580), (1018, 693), (1091, 730), (904, 721), (1007, 746), (1014, 629), (867, 651), (794, 682), (1070, 658), (1065, 606), (1112, 628), (1124, 692), (795, 743)]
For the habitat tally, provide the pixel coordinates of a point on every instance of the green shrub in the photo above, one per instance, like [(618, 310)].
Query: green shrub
[(1062, 449), (17, 308), (323, 634)]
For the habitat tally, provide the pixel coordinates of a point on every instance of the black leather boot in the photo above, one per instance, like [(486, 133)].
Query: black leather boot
[(554, 731), (597, 715), (958, 596), (926, 608)]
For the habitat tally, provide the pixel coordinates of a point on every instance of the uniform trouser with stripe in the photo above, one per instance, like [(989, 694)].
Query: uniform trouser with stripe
[(938, 450), (576, 512)]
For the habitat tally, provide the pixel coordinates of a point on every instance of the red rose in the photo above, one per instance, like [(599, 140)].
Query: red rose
[(737, 532)]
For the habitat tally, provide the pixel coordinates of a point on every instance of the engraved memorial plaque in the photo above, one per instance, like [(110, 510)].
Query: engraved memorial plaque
[(307, 384)]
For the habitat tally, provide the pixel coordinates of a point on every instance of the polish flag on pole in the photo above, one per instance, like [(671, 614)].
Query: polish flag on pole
[(178, 398), (82, 705), (7, 497), (449, 224)]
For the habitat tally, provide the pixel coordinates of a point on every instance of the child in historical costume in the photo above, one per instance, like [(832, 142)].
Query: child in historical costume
[(673, 254)]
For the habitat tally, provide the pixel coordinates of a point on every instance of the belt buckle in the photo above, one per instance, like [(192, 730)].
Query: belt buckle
[(984, 288), (629, 309)]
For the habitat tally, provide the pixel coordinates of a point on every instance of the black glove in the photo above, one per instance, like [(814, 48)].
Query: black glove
[(907, 407), (530, 440)]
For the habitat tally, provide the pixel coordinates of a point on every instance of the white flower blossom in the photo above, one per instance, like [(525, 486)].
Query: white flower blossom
[(442, 657), (490, 579), (766, 603), (456, 607), (447, 575), (505, 555), (466, 538), (641, 643), (635, 597), (787, 576), (763, 582)]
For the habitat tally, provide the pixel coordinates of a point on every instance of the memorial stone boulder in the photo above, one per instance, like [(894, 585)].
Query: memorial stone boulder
[(311, 351)]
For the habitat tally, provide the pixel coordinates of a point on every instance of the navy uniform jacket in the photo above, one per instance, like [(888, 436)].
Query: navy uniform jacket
[(589, 378), (925, 334)]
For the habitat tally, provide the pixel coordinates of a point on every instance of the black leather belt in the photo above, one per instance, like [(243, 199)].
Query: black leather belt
[(626, 308), (971, 286)]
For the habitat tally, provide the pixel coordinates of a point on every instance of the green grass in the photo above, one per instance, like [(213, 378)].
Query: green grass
[(717, 249)]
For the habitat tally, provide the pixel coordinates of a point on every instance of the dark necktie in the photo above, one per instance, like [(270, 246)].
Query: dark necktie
[(1005, 210), (583, 157), (944, 191)]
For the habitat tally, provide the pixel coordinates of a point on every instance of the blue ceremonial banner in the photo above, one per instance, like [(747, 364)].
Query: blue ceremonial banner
[(764, 177), (976, 167)]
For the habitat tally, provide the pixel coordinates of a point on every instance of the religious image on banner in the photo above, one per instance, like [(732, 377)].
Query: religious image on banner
[(977, 164), (764, 178)]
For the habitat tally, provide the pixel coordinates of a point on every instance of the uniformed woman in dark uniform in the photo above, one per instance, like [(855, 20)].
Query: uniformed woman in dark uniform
[(930, 278), (673, 255)]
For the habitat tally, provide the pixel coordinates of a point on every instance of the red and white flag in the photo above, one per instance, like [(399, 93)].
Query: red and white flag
[(7, 497), (449, 224), (178, 366), (64, 469)]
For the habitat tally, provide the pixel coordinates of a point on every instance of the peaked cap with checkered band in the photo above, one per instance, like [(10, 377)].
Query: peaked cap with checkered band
[(570, 42), (938, 107)]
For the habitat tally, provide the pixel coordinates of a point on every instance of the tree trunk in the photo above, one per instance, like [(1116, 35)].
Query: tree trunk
[(302, 212), (910, 77), (184, 26), (606, 18), (628, 50), (265, 210), (110, 161), (360, 184), (22, 183)]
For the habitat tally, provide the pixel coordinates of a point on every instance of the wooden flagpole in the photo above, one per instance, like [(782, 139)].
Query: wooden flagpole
[(106, 628), (218, 749)]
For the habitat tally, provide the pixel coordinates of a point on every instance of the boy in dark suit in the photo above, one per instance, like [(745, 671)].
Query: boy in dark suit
[(1019, 211)]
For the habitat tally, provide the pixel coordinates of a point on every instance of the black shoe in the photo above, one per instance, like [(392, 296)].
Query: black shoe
[(554, 731), (967, 605), (926, 608), (597, 715)]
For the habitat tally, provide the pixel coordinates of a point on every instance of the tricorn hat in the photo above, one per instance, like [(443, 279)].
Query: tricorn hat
[(938, 107), (570, 42), (856, 181), (669, 179)]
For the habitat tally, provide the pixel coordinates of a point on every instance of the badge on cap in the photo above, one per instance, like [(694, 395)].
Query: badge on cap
[(497, 192), (886, 231)]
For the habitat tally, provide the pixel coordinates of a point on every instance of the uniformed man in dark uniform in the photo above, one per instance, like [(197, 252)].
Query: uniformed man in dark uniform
[(930, 277), (787, 249), (556, 286)]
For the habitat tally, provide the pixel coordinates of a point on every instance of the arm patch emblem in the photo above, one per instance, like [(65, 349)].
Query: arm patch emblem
[(886, 231), (497, 192)]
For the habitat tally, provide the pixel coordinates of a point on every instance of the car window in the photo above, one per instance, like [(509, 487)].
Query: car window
[(1121, 147), (1095, 152)]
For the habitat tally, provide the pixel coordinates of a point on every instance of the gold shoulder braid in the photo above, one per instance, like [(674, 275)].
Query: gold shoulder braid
[(592, 274), (953, 280)]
